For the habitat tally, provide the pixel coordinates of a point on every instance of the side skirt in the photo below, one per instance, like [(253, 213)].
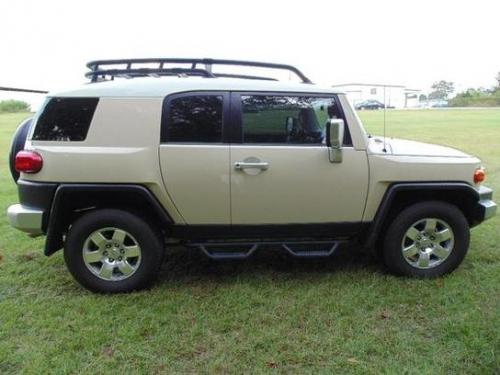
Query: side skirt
[(316, 231)]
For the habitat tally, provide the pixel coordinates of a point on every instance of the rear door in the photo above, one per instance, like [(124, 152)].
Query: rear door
[(281, 173), (194, 156)]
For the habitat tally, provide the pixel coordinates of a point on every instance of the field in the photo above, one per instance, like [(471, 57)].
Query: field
[(267, 314)]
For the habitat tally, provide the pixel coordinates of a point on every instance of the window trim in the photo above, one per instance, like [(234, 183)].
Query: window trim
[(226, 116), (237, 117)]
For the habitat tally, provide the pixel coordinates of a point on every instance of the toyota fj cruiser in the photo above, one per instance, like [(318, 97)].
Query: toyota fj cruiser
[(229, 163)]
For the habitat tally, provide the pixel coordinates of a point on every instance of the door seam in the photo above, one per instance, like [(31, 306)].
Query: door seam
[(231, 132)]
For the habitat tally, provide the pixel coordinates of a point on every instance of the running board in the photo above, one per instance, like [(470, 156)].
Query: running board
[(242, 250)]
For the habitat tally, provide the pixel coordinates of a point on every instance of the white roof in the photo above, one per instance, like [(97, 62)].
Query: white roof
[(162, 86)]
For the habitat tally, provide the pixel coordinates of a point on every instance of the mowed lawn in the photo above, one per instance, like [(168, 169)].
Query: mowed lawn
[(271, 313)]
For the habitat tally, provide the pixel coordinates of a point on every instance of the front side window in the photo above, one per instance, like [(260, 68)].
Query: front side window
[(195, 119), (286, 119), (65, 119)]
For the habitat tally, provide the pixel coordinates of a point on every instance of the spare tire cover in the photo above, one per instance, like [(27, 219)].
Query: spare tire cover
[(17, 145)]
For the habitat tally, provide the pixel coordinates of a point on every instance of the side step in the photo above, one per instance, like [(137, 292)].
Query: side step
[(242, 250)]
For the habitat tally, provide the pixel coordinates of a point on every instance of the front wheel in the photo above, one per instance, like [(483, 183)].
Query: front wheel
[(112, 251), (427, 239)]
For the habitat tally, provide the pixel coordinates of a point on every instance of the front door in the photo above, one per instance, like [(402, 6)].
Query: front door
[(194, 156), (281, 173)]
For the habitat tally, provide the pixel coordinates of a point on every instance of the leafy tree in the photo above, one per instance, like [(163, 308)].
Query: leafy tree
[(498, 79), (422, 98), (480, 97), (14, 106), (441, 89)]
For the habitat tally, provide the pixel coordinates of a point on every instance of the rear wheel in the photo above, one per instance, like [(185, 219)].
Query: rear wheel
[(428, 239), (113, 251)]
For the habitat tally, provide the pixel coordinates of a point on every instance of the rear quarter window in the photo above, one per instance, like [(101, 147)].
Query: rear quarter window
[(65, 119)]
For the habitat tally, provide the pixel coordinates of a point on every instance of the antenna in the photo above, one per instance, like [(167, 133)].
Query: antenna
[(384, 149), (23, 90)]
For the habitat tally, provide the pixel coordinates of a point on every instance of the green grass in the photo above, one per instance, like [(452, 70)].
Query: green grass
[(267, 314)]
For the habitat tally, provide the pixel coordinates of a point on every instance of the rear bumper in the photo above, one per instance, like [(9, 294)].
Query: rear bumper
[(35, 200), (26, 219), (486, 208)]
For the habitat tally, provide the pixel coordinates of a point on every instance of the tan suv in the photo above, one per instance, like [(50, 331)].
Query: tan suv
[(190, 150)]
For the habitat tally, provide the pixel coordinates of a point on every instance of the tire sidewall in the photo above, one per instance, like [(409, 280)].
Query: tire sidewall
[(146, 237), (393, 256)]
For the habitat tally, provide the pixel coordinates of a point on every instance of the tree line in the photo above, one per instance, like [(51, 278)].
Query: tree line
[(11, 106), (472, 97), (480, 97)]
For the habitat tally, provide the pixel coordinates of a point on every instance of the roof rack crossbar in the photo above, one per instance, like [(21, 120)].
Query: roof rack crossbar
[(103, 68), (143, 72)]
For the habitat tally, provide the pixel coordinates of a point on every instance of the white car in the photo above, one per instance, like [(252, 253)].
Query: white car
[(227, 163)]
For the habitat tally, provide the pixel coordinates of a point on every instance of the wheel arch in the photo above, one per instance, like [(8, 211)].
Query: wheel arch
[(401, 195), (72, 200)]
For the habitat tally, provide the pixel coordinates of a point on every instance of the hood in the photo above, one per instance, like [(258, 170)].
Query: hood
[(404, 147)]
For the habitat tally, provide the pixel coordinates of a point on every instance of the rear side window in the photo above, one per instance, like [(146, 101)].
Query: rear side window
[(65, 119), (195, 118)]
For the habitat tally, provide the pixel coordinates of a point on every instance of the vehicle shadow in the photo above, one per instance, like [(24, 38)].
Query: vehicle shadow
[(184, 264)]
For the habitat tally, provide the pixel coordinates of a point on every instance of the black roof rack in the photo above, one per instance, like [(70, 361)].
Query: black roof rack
[(101, 70)]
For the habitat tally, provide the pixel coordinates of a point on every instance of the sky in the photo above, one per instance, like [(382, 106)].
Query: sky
[(46, 44)]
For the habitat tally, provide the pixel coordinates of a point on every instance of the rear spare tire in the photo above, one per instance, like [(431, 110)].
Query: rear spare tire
[(17, 145)]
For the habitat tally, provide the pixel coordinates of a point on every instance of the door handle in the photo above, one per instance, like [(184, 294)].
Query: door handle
[(262, 165)]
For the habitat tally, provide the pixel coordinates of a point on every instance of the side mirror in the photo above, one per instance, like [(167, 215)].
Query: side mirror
[(334, 139)]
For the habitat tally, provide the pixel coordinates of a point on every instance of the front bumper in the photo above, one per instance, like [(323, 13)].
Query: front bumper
[(486, 208), (26, 219)]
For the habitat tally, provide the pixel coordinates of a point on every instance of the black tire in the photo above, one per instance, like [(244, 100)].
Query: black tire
[(148, 239), (393, 241), (18, 141)]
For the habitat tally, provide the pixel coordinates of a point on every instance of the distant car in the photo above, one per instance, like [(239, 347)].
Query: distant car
[(440, 104), (369, 104)]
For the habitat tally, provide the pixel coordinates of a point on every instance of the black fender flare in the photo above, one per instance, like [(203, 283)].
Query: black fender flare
[(429, 188), (66, 193)]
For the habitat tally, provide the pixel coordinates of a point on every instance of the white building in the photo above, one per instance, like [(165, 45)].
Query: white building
[(396, 96)]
